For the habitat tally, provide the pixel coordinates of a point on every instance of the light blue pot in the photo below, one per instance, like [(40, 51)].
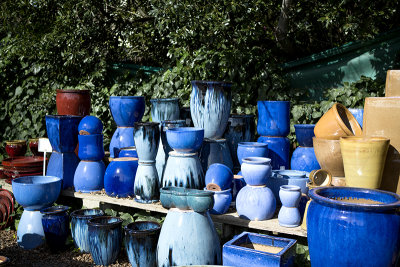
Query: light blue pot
[(89, 176), (256, 170), (222, 201), (147, 140), (146, 186), (287, 177), (163, 109), (63, 165), (255, 203), (289, 215)]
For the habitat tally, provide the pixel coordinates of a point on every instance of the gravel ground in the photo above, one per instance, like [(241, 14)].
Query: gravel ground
[(43, 257)]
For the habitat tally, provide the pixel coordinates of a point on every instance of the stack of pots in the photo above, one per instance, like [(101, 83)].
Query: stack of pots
[(303, 158), (273, 126)]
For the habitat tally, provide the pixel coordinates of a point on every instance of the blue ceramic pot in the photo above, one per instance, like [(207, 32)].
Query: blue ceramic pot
[(278, 150), (147, 140), (251, 149), (174, 197), (222, 201), (358, 113), (163, 109), (289, 214), (62, 131), (218, 176), (30, 233), (273, 118), (185, 139), (63, 165), (141, 243), (122, 137), (200, 201), (210, 106), (287, 177), (304, 134), (215, 151), (128, 152), (91, 147), (126, 110), (366, 220), (79, 227), (238, 183), (256, 170), (119, 178), (55, 221), (90, 125), (183, 170), (146, 186), (105, 238), (255, 203), (89, 176), (304, 159), (186, 116)]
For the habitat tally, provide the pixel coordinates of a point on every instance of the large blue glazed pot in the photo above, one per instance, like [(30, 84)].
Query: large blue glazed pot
[(89, 176), (251, 149), (122, 137), (146, 187), (129, 152), (79, 227), (55, 223), (147, 140), (287, 177), (278, 151), (119, 178), (222, 201), (273, 118), (215, 151), (289, 214), (304, 159), (140, 241), (185, 139), (255, 203), (256, 170), (366, 220), (126, 110), (163, 109), (91, 147), (105, 238), (63, 165), (218, 177), (210, 106), (304, 134), (358, 113), (62, 131), (90, 125)]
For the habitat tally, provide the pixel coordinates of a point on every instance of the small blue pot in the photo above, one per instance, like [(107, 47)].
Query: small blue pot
[(126, 110), (63, 165), (147, 140), (79, 227), (128, 152), (289, 214), (119, 178), (222, 201), (255, 203), (89, 176), (251, 149), (91, 147), (256, 170), (278, 151), (90, 125), (304, 134), (215, 151), (105, 238), (122, 137), (141, 243), (185, 139), (146, 186), (218, 176), (358, 113), (304, 159), (62, 131), (163, 109), (273, 118), (55, 221)]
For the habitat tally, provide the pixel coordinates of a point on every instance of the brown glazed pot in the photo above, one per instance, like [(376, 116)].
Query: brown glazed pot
[(392, 87), (73, 102), (329, 155)]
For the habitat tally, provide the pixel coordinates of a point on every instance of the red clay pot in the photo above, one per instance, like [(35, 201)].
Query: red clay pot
[(73, 102), (34, 146), (16, 148)]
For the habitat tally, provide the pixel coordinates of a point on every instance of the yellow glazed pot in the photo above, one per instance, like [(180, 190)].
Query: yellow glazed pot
[(364, 160)]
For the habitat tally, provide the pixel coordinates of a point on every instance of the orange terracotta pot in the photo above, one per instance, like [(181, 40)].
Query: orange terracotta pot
[(337, 122), (329, 155), (392, 87)]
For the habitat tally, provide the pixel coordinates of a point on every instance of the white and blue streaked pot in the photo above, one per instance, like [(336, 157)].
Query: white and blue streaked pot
[(256, 203), (215, 151), (289, 214), (89, 176), (147, 140), (210, 106), (163, 109), (146, 186)]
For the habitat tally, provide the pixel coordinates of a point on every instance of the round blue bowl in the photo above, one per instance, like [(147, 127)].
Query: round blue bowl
[(251, 149), (304, 134), (126, 110), (219, 176), (90, 125), (185, 139)]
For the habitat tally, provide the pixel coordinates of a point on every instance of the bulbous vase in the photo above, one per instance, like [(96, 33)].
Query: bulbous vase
[(147, 140), (256, 203), (89, 176), (119, 178), (146, 187)]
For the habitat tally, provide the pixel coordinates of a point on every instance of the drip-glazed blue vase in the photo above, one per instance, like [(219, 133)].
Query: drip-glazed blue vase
[(55, 221), (164, 109), (304, 159), (210, 105), (273, 118), (146, 187), (278, 151), (119, 178), (123, 137), (215, 151), (89, 176), (251, 149), (147, 140)]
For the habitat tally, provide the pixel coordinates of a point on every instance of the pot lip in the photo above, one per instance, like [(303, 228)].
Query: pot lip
[(129, 148), (174, 153), (77, 91), (92, 221), (49, 180), (304, 126), (185, 129), (212, 82), (146, 162), (315, 195), (54, 210), (253, 144), (256, 160), (146, 123), (169, 99), (60, 117), (364, 139), (76, 214), (152, 231), (273, 101), (295, 174), (15, 142), (291, 188), (126, 97), (34, 139), (175, 122), (122, 159), (219, 192), (351, 132)]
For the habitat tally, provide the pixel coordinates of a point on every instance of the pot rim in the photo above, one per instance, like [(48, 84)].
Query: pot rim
[(129, 148), (350, 116), (364, 139), (92, 221), (146, 123), (256, 160), (219, 192), (220, 140), (174, 153), (273, 101), (304, 126), (185, 129), (296, 174), (253, 144), (325, 140), (64, 116), (126, 97), (169, 99), (236, 115), (123, 159), (292, 188), (212, 82), (165, 122), (15, 142), (54, 210), (78, 91), (146, 232), (76, 214)]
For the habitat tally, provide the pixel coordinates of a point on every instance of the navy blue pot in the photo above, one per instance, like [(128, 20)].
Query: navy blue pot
[(129, 152), (210, 106), (255, 203), (251, 149), (273, 118), (304, 159), (90, 125), (185, 139), (89, 176), (222, 201), (146, 186), (358, 113), (141, 243), (126, 110), (119, 178), (304, 134), (122, 137), (55, 221), (147, 140), (215, 151), (91, 147), (278, 150), (163, 109), (63, 165), (62, 131), (79, 227), (105, 238), (370, 230), (186, 116), (219, 176)]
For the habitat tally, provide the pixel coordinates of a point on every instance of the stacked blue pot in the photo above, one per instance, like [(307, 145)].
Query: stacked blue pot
[(303, 158)]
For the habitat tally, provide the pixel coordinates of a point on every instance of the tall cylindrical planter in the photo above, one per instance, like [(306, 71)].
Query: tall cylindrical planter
[(289, 214), (119, 178), (73, 102), (146, 186), (215, 151), (164, 109), (273, 118), (55, 221), (278, 151)]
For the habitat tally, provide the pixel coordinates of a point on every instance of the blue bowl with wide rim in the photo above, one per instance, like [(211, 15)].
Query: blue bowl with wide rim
[(185, 139)]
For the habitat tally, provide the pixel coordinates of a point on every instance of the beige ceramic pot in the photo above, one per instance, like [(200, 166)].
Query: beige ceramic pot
[(392, 87), (364, 160), (329, 155), (337, 122)]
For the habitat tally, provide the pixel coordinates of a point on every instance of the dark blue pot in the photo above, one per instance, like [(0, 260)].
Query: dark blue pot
[(146, 186), (304, 134), (255, 203), (185, 139), (147, 140), (141, 243), (222, 201), (358, 113), (215, 151), (89, 176), (304, 159), (251, 149), (273, 118), (278, 150), (91, 147), (62, 131), (105, 238), (119, 178), (79, 227), (90, 125), (219, 176), (122, 137), (63, 165), (186, 116), (129, 152), (55, 222), (210, 106), (126, 110), (371, 231), (163, 109)]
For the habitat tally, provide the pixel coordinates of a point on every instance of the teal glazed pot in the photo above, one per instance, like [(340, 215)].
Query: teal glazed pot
[(147, 140), (119, 178), (215, 151), (273, 118), (163, 109), (210, 106), (278, 151), (89, 176), (146, 186)]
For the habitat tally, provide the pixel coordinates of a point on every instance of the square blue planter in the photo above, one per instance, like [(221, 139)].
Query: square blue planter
[(249, 249)]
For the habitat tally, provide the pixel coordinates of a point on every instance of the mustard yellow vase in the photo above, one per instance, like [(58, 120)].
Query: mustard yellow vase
[(364, 160)]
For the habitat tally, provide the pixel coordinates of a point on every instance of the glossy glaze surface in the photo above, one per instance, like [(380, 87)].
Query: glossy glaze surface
[(304, 134), (256, 170), (91, 147), (122, 137), (251, 149), (215, 151), (126, 110), (185, 139), (129, 152), (273, 118), (146, 187), (329, 155), (287, 177), (119, 177), (73, 102), (255, 203), (55, 221), (164, 109), (90, 125), (147, 140), (289, 214), (220, 176), (62, 131), (358, 113), (222, 201), (304, 159), (278, 150), (16, 148), (89, 176), (63, 165)]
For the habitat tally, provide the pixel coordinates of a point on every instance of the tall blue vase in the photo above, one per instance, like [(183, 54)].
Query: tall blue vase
[(147, 140), (215, 151), (278, 150), (55, 221), (273, 118)]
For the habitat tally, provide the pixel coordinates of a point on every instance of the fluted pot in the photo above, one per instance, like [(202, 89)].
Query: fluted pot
[(119, 178), (147, 140)]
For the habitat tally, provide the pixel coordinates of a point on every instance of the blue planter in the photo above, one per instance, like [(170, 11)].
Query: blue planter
[(128, 152), (146, 186), (218, 176), (358, 113), (255, 203), (141, 243), (256, 170), (163, 109), (304, 159), (63, 165), (287, 177), (210, 106), (126, 110), (119, 178), (186, 116), (79, 227), (91, 147), (55, 221), (371, 231), (251, 149), (304, 134), (89, 176), (273, 118), (215, 151), (90, 125), (186, 198), (62, 131), (122, 137), (30, 233), (147, 140), (278, 150), (185, 139), (222, 201), (289, 214), (105, 238), (243, 251)]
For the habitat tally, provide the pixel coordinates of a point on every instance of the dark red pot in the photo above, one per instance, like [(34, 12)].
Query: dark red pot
[(73, 102), (34, 146), (16, 148)]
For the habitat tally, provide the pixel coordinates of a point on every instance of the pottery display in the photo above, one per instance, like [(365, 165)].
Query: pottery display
[(358, 113), (273, 118), (218, 177), (256, 203), (91, 147), (141, 243), (129, 152), (364, 160), (366, 220), (329, 155), (147, 140), (89, 176), (119, 177), (215, 151), (90, 125), (163, 109), (62, 132), (79, 227), (105, 239), (73, 102), (146, 186), (210, 105), (55, 221), (185, 139), (289, 214), (337, 122), (287, 177), (304, 159), (392, 86), (278, 150), (251, 149), (256, 170), (304, 134), (222, 201), (16, 148)]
